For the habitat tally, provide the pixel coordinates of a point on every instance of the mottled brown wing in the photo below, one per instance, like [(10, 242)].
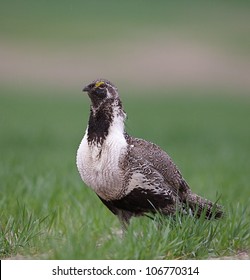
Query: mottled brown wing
[(161, 162)]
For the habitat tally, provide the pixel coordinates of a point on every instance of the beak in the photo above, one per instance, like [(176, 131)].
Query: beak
[(87, 88)]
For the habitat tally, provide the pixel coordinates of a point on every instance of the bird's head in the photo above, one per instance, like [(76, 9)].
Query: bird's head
[(101, 90)]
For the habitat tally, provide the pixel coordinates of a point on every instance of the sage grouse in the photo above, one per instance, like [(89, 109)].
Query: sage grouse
[(131, 176)]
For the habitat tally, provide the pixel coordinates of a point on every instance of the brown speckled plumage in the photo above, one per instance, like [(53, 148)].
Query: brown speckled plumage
[(131, 176)]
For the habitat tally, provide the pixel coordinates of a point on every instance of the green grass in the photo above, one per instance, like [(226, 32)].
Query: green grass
[(47, 212)]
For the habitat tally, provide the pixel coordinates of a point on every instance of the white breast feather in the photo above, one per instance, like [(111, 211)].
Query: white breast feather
[(99, 165)]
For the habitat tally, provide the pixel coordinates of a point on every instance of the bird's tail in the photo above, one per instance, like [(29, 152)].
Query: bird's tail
[(202, 206)]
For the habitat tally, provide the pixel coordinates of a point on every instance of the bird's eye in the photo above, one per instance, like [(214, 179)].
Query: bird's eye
[(102, 86)]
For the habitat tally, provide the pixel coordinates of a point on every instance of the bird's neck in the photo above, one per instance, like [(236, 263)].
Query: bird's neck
[(104, 120)]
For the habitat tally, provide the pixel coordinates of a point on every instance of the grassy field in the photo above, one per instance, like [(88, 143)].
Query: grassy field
[(47, 212)]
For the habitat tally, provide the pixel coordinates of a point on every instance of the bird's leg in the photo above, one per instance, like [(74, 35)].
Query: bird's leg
[(124, 218)]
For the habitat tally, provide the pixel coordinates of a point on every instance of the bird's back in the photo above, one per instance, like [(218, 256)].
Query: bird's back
[(160, 161), (170, 190)]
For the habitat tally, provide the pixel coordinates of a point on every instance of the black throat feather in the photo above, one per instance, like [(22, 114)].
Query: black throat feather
[(99, 122)]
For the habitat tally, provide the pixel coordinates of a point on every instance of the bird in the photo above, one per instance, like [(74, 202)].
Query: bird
[(131, 176)]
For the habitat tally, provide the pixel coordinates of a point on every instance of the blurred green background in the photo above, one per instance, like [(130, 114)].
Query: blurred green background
[(139, 44), (183, 73)]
